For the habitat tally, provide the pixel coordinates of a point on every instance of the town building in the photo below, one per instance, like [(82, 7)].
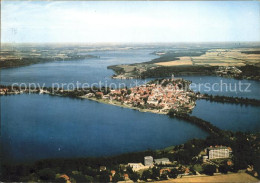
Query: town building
[(113, 172), (126, 176), (136, 166), (204, 159), (218, 152), (148, 161), (164, 171), (66, 178), (162, 161)]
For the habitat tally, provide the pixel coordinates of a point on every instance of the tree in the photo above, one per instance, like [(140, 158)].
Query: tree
[(134, 176), (209, 169), (98, 95), (129, 91), (89, 178), (89, 171), (117, 178), (104, 177), (60, 180), (79, 178), (164, 176), (145, 100), (155, 173), (146, 175), (198, 168), (46, 174), (173, 173), (223, 168)]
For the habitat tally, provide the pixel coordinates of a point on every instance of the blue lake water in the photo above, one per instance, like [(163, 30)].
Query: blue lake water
[(225, 86), (95, 70), (42, 126), (88, 71), (229, 116)]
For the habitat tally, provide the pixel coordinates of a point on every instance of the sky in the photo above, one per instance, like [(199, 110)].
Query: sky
[(129, 21)]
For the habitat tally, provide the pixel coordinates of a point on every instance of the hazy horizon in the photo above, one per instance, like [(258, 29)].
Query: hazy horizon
[(131, 43), (130, 21)]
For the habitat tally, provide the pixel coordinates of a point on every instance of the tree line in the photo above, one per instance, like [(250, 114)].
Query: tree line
[(233, 100)]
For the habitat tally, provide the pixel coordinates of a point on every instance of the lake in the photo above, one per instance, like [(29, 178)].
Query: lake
[(225, 86), (95, 70), (42, 126), (89, 71), (229, 116)]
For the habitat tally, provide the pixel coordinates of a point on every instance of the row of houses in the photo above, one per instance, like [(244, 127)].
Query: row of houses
[(3, 91)]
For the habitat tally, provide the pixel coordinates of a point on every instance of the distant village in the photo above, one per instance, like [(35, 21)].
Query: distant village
[(229, 70)]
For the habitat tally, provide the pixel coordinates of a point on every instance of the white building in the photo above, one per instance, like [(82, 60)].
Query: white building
[(204, 159), (162, 161), (136, 166), (217, 152), (148, 161)]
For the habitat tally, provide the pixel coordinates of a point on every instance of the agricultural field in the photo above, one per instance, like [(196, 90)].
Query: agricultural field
[(234, 177), (182, 61), (219, 57)]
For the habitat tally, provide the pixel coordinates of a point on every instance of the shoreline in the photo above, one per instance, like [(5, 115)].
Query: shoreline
[(171, 151), (231, 63), (16, 63), (157, 71), (106, 101)]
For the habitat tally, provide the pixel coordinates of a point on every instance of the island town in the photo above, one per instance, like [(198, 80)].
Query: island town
[(158, 96)]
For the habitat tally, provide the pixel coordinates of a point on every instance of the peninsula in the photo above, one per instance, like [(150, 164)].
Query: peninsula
[(237, 62), (23, 55), (158, 96)]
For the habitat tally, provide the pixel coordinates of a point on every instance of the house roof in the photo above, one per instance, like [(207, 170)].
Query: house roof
[(162, 159), (66, 177), (148, 157)]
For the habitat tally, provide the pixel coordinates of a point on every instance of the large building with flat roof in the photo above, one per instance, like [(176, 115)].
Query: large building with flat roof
[(162, 161), (218, 152), (148, 161)]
